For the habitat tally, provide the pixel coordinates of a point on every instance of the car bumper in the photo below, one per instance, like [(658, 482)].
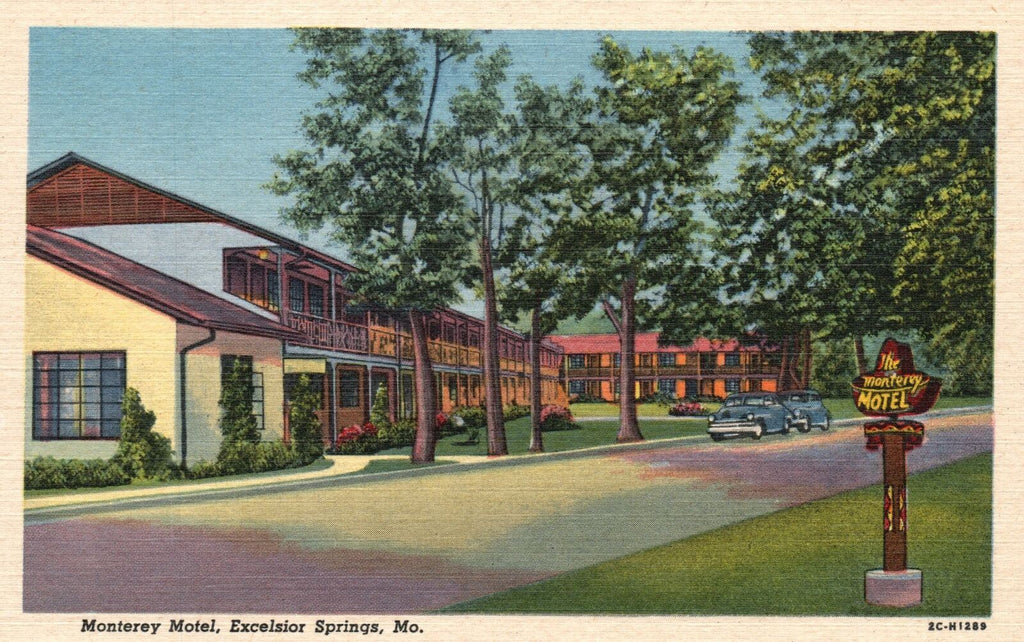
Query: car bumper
[(735, 428)]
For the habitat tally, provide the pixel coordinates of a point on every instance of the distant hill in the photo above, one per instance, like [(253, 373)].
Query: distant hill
[(596, 322)]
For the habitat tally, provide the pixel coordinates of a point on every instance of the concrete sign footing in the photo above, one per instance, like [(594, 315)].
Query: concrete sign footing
[(893, 588)]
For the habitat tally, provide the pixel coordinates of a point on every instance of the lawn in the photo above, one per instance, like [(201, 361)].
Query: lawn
[(590, 434), (808, 560)]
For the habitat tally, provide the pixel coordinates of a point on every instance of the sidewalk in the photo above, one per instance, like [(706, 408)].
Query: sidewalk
[(337, 466)]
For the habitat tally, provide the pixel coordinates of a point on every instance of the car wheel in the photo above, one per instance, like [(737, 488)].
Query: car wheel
[(826, 425), (757, 435), (805, 427), (785, 428), (717, 438)]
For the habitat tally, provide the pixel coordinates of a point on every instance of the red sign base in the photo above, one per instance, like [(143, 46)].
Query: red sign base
[(893, 588)]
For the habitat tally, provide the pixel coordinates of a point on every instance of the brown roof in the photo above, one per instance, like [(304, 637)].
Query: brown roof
[(156, 290)]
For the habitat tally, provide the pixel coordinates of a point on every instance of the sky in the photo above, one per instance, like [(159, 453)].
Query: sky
[(202, 112)]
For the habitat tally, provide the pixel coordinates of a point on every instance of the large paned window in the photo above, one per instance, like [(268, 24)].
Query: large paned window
[(297, 295), (577, 361), (577, 387), (667, 386), (77, 395), (348, 389), (316, 300), (666, 359), (732, 359), (227, 365), (732, 385)]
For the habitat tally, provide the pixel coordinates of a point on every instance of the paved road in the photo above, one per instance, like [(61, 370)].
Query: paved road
[(416, 543)]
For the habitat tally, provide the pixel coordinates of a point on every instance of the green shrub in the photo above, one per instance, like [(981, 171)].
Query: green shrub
[(307, 440), (204, 469), (142, 453), (472, 416), (237, 422), (380, 412), (515, 411), (48, 472), (400, 434), (242, 458)]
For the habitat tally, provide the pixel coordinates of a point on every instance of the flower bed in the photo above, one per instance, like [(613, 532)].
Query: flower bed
[(687, 409)]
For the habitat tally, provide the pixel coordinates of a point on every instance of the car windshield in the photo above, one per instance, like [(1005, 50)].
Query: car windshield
[(804, 397), (801, 398), (734, 401)]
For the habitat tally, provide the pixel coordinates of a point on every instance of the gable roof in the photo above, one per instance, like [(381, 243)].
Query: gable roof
[(156, 290), (645, 342), (74, 191)]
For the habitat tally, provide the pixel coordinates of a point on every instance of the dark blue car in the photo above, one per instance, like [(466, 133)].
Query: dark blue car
[(752, 414)]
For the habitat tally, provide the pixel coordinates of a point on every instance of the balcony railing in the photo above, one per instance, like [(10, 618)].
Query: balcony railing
[(677, 371), (348, 337)]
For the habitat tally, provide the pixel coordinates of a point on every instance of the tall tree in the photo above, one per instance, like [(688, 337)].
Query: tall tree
[(540, 273), (665, 117), (480, 137), (377, 176), (910, 139)]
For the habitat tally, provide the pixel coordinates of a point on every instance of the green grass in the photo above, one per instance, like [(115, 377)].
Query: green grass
[(808, 560), (612, 410), (319, 464), (843, 408), (590, 433), (392, 465)]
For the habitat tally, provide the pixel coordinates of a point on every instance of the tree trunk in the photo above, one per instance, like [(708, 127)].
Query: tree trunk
[(808, 358), (862, 360), (536, 436), (629, 427), (426, 411), (496, 444)]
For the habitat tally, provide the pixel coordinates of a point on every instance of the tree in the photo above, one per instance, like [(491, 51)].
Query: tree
[(664, 118), (141, 452), (541, 276), (480, 138), (377, 177), (307, 440), (910, 143)]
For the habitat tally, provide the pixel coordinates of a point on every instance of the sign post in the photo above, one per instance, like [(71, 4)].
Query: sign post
[(893, 390)]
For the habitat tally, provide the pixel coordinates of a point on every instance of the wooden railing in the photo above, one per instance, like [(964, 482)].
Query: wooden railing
[(347, 337)]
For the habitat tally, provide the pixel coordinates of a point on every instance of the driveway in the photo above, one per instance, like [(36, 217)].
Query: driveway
[(413, 544)]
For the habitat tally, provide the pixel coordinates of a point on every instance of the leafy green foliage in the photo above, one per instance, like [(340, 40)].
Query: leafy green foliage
[(380, 411), (307, 440), (48, 472), (237, 422), (141, 453)]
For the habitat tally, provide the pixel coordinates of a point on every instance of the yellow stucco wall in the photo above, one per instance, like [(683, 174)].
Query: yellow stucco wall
[(203, 386), (65, 313)]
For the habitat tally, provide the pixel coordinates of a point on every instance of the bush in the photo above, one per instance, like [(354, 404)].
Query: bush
[(472, 416), (48, 472), (305, 425), (245, 457), (515, 411), (556, 418), (585, 398), (380, 412), (687, 409), (357, 440), (142, 453), (400, 434), (660, 398), (204, 469)]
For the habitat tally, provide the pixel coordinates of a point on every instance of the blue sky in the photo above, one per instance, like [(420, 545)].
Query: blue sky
[(201, 112)]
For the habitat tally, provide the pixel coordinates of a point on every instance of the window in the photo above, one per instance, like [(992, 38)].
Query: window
[(577, 387), (616, 360), (732, 385), (296, 295), (253, 280), (273, 290), (316, 300), (348, 389), (576, 361), (666, 359), (667, 386), (691, 388), (453, 389), (644, 360), (77, 395), (227, 366), (732, 359)]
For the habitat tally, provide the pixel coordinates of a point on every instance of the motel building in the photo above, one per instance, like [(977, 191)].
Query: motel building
[(130, 285), (705, 368)]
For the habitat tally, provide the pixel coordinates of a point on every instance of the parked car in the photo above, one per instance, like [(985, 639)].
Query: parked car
[(750, 413), (807, 408)]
